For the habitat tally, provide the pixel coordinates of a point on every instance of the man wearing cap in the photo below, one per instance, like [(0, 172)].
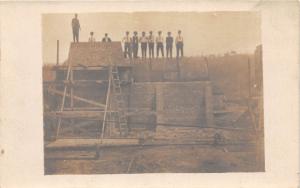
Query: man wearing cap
[(151, 45), (75, 28), (92, 38), (135, 44), (127, 45), (143, 41), (106, 38), (169, 45), (159, 44), (179, 44)]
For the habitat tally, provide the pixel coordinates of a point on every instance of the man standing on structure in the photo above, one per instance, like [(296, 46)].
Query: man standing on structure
[(127, 45), (144, 41), (135, 44), (169, 45), (75, 28), (179, 44), (92, 38), (106, 38), (151, 45), (159, 44)]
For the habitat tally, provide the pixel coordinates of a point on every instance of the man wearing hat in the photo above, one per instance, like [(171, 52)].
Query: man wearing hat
[(106, 38), (159, 44), (127, 45), (151, 45), (179, 44), (135, 44), (169, 45), (92, 38), (75, 28), (143, 41)]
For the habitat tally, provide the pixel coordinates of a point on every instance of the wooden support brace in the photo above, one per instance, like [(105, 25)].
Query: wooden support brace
[(54, 91)]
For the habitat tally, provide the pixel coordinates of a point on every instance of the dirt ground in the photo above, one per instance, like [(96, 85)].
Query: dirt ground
[(165, 159)]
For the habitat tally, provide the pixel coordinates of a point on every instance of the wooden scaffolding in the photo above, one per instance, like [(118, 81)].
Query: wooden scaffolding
[(110, 115)]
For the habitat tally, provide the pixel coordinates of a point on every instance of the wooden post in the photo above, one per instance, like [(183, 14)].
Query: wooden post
[(57, 52), (207, 71), (63, 99), (178, 68), (72, 89), (208, 105), (249, 74)]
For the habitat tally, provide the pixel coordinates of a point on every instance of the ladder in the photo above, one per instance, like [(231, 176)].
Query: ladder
[(120, 115), (120, 102)]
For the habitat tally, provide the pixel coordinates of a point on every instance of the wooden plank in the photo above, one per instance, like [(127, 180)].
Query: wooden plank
[(81, 143), (75, 82), (88, 108), (76, 114), (107, 105), (103, 67), (54, 91), (82, 68), (72, 90), (129, 142)]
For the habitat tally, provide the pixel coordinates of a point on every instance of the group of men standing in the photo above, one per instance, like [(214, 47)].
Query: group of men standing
[(131, 44)]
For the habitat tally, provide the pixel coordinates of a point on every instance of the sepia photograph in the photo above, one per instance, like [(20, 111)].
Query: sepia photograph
[(152, 92)]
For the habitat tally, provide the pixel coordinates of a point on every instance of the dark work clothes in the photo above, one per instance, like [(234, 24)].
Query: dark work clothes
[(127, 49), (75, 29), (151, 45), (135, 46), (159, 47), (169, 46), (106, 39), (75, 35), (144, 49), (151, 49), (179, 48)]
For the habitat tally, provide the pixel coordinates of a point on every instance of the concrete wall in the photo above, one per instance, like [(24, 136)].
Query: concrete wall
[(172, 103)]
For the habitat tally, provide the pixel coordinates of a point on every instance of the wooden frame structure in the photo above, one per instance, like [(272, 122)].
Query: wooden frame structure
[(109, 114)]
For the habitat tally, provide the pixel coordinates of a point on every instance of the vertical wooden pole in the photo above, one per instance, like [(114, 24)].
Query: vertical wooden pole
[(63, 100), (72, 89), (249, 74), (178, 69), (208, 105), (207, 71), (57, 52)]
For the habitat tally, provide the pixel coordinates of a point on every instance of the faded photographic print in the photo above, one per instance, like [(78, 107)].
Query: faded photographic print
[(152, 92)]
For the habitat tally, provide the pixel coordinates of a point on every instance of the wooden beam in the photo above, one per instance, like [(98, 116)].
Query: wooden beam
[(133, 142), (63, 99), (75, 82), (74, 143), (72, 90), (76, 114), (81, 68), (54, 91), (57, 52), (83, 108)]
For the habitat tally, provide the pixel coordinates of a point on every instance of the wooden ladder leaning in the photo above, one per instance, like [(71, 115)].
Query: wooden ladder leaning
[(120, 102), (114, 84)]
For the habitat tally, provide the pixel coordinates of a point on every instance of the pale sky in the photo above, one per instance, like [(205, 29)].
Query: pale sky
[(204, 32)]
